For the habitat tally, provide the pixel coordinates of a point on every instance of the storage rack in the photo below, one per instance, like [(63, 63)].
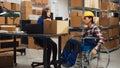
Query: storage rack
[(97, 12)]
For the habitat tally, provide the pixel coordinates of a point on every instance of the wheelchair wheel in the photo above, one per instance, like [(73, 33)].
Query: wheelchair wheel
[(101, 59)]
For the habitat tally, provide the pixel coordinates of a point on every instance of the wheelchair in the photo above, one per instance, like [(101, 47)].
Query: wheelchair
[(100, 60)]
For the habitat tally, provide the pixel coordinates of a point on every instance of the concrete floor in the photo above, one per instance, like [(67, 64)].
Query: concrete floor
[(36, 55)]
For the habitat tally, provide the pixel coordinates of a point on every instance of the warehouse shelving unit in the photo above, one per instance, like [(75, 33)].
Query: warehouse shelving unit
[(107, 29)]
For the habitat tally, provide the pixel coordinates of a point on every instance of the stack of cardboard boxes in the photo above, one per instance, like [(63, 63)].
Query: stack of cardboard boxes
[(26, 9), (87, 3)]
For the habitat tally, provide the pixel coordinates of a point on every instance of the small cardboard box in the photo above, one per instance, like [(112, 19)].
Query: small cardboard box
[(55, 27)]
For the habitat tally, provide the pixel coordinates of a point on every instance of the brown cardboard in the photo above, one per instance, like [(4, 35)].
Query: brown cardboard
[(104, 14), (96, 20), (7, 5), (8, 27), (32, 44), (6, 60), (104, 21), (55, 27), (26, 4), (104, 5), (47, 26), (75, 13), (2, 20), (9, 20), (76, 3), (44, 2), (15, 6), (76, 21), (114, 21), (33, 21)]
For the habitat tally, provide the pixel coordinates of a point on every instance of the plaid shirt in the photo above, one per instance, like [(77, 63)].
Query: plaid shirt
[(96, 32)]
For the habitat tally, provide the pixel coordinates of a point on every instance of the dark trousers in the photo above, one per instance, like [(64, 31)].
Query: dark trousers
[(51, 47)]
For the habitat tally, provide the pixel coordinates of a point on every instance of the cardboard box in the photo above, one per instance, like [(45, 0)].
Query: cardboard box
[(55, 27), (32, 44), (105, 33), (26, 4), (104, 21), (76, 21), (75, 13), (8, 27), (113, 6), (104, 5), (9, 20), (104, 14), (17, 21), (76, 3), (114, 21), (15, 6), (115, 31), (87, 3), (33, 21), (44, 2), (95, 4), (110, 32), (2, 20), (6, 60), (7, 5)]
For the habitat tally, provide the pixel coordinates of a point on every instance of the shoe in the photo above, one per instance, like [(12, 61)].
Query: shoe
[(54, 62)]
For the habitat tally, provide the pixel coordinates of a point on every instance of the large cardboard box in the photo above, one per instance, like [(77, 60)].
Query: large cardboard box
[(76, 21), (2, 20), (6, 60), (55, 27)]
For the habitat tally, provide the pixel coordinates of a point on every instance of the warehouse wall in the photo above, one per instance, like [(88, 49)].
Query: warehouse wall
[(59, 8)]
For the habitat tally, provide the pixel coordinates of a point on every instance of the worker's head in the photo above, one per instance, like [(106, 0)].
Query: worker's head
[(46, 13), (88, 17)]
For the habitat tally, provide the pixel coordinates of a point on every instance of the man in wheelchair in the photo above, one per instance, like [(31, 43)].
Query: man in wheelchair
[(73, 47)]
